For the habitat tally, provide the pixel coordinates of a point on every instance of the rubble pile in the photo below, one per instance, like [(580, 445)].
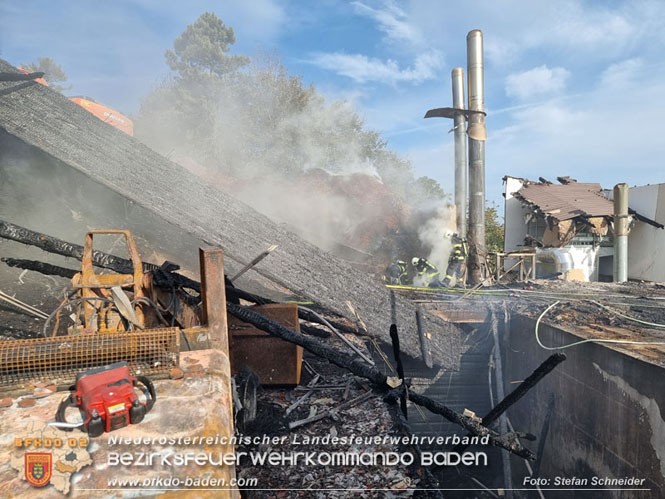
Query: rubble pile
[(369, 418)]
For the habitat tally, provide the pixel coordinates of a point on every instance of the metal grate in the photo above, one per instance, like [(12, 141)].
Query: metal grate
[(61, 358)]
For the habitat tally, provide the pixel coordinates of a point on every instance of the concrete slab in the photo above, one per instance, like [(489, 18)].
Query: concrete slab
[(191, 415)]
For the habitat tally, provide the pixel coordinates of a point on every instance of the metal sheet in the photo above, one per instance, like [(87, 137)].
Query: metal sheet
[(275, 361)]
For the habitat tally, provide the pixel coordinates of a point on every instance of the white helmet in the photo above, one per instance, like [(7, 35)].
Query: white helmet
[(448, 234), (415, 260)]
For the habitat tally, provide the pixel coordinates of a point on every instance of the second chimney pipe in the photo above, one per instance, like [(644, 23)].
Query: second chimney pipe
[(621, 233), (476, 93), (460, 151)]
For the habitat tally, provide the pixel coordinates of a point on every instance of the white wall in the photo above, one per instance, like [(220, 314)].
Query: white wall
[(515, 228), (646, 243)]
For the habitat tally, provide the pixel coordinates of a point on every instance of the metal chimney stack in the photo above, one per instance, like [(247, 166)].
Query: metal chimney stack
[(477, 137), (460, 151), (621, 233)]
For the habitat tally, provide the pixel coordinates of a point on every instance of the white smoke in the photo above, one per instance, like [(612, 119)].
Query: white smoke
[(270, 129), (432, 237)]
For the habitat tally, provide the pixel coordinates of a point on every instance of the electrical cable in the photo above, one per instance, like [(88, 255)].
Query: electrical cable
[(70, 302), (143, 299), (596, 340), (646, 323)]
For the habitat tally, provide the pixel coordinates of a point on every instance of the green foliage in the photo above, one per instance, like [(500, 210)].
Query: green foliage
[(53, 73), (202, 49), (246, 119), (428, 188), (493, 229)]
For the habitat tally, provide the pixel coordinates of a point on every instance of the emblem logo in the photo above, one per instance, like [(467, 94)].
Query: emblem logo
[(38, 468)]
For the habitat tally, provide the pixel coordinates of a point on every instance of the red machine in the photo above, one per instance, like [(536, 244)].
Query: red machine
[(107, 399)]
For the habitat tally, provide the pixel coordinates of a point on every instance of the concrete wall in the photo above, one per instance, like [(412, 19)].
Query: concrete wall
[(607, 411), (515, 228), (645, 242)]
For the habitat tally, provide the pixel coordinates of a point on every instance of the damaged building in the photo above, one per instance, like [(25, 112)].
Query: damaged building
[(570, 226), (65, 173), (559, 385)]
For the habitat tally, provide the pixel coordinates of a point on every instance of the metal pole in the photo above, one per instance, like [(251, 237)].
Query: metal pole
[(621, 233), (460, 151), (213, 298), (477, 135)]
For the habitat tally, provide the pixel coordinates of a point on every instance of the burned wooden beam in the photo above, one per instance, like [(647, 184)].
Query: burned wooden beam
[(100, 259), (400, 369), (41, 267), (373, 374), (162, 277), (543, 369), (429, 480), (60, 247), (130, 169)]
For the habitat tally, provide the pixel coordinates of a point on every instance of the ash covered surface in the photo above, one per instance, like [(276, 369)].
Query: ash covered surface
[(48, 121), (596, 310), (372, 418)]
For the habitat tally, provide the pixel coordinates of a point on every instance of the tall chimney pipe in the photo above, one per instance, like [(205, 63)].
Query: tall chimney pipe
[(621, 233), (477, 136), (460, 151)]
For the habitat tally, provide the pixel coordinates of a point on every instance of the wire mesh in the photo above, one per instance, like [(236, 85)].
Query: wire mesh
[(61, 358)]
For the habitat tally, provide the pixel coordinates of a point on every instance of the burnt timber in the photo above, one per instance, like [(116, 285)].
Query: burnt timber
[(48, 121)]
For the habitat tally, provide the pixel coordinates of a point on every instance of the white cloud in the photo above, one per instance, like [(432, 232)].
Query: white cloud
[(536, 82), (392, 21), (369, 69), (594, 137), (592, 28), (622, 73)]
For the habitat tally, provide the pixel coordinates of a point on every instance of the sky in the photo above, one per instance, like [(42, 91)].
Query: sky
[(572, 87)]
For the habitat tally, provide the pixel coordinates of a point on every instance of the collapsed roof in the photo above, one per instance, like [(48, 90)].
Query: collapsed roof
[(570, 199), (566, 201), (47, 120)]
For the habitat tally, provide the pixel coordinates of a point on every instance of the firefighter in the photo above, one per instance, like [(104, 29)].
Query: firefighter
[(426, 271), (457, 260), (396, 273)]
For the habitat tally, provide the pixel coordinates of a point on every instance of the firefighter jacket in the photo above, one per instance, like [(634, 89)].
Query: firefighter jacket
[(426, 268), (460, 249), (396, 273)]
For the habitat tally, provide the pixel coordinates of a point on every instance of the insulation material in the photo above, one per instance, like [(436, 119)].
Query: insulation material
[(599, 225), (559, 233)]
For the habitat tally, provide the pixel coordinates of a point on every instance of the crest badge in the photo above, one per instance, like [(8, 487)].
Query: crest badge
[(38, 468)]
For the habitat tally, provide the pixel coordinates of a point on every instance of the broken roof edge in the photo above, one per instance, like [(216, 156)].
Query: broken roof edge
[(583, 216)]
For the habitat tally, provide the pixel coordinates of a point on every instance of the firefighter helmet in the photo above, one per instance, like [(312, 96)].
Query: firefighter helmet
[(415, 260), (448, 234)]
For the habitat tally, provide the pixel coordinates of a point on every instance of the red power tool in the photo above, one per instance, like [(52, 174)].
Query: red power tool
[(107, 399)]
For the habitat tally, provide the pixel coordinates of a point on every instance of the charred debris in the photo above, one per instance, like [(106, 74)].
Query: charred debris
[(360, 381), (367, 352)]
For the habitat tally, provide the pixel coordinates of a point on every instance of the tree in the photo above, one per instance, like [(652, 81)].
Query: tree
[(254, 119), (202, 49), (493, 229), (53, 73), (427, 189)]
